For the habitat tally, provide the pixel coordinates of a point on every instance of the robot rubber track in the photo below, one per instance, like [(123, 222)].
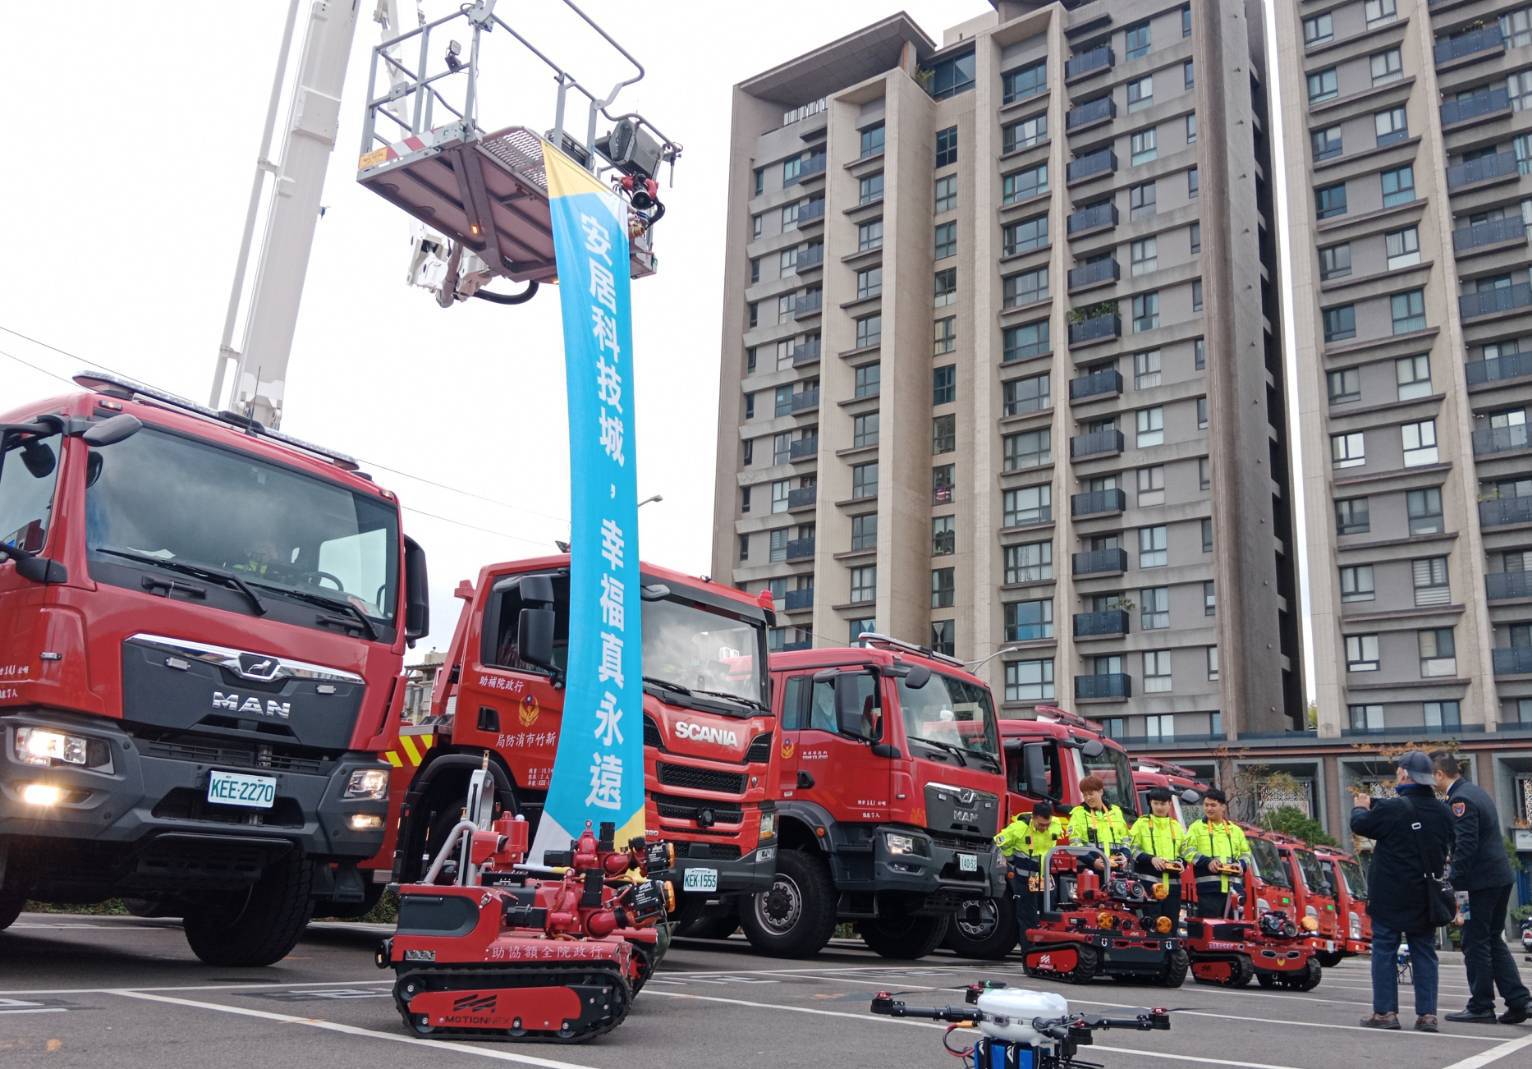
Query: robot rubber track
[(432, 999)]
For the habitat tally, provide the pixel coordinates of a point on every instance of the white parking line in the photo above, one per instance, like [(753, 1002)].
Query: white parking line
[(269, 985), (1494, 1054), (352, 1030)]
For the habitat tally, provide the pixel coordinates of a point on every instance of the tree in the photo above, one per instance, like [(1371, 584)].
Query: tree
[(1290, 820), (1259, 790)]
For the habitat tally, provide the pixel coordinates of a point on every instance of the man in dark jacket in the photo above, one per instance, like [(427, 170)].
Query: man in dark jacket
[(1480, 867), (1411, 835)]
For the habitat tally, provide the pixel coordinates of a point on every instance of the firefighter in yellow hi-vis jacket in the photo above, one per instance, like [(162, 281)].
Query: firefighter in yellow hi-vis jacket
[(1216, 847), (1025, 841), (1157, 853), (1097, 825)]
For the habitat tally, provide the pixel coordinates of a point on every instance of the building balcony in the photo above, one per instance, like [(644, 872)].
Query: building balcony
[(800, 498), (1494, 168), (1095, 444), (1087, 63), (812, 212), (1503, 586), (1510, 230), (1490, 302), (806, 401), (804, 448), (1490, 440), (810, 258), (1101, 624), (1098, 217), (813, 167), (1095, 329), (805, 307), (1097, 273), (1477, 43), (1111, 686), (1100, 562), (1479, 105), (1097, 384), (1501, 511), (792, 647), (805, 354), (1102, 109), (1498, 368), (1097, 503), (800, 549), (1091, 165), (1512, 660), (799, 600)]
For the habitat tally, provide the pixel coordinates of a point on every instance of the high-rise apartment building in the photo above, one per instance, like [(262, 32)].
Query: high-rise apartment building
[(1408, 149), (1001, 367)]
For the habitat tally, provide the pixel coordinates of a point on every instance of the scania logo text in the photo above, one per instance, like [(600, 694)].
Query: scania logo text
[(237, 704), (706, 733)]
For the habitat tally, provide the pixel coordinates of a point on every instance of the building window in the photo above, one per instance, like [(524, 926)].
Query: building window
[(1344, 385), (864, 583), (1029, 621), (946, 146), (779, 491), (1387, 66), (1196, 295), (1323, 86), (1442, 714), (1212, 663), (1335, 262), (869, 189), (945, 287), (1361, 653), (1154, 608), (1143, 146), (1186, 20), (1318, 28), (1027, 505), (1025, 236), (871, 141), (1146, 369), (944, 384), (1029, 449), (943, 536), (747, 453), (942, 632), (1026, 342), (1351, 516), (944, 335), (869, 330), (950, 77), (1140, 93), (1024, 133), (864, 430), (749, 406), (1188, 74), (1031, 394), (1330, 201), (1193, 184), (1356, 583), (1142, 200), (861, 626), (1135, 40), (946, 193), (1191, 129), (1419, 443), (1029, 287), (864, 531), (1378, 11), (943, 588), (757, 225), (1204, 473), (1153, 546), (1194, 236), (1151, 426), (946, 240), (1365, 717), (869, 282), (1209, 599), (1029, 681), (744, 547), (1403, 247), (1144, 255), (867, 377), (1438, 653), (1024, 82), (1202, 413), (778, 549), (1398, 185), (1339, 322), (864, 480), (943, 435), (1390, 126), (1025, 184), (1156, 671), (789, 216), (942, 479), (1413, 374), (1347, 450), (1029, 563), (1199, 353), (1409, 311), (1429, 577), (1151, 485), (1146, 311), (869, 235), (1425, 511)]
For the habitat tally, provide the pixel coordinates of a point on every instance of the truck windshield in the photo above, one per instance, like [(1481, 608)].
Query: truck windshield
[(176, 499), (1356, 879), (1268, 863), (949, 711), (1315, 876), (706, 651), (1111, 767)]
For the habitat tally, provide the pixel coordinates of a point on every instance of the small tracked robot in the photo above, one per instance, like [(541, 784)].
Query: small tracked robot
[(1018, 1028)]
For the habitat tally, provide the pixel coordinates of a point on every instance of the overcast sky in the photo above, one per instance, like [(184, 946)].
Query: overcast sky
[(123, 191)]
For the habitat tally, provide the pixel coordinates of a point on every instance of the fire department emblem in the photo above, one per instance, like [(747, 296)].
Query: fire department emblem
[(529, 710), (1459, 808), (787, 750)]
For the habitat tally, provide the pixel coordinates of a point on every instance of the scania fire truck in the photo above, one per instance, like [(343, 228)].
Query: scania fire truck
[(889, 789), (202, 626), (707, 724)]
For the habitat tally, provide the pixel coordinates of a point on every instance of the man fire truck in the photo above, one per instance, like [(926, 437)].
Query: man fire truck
[(708, 725), (888, 786), (202, 625)]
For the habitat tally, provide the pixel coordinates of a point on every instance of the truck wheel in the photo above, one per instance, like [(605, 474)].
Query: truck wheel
[(1174, 972), (905, 938), (10, 907), (796, 918), (983, 928), (1330, 958), (259, 927)]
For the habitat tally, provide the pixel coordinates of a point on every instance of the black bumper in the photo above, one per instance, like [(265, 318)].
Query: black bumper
[(147, 820), (933, 868), (743, 875)]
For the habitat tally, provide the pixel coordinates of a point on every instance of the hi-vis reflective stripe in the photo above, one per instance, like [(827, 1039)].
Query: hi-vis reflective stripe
[(412, 750)]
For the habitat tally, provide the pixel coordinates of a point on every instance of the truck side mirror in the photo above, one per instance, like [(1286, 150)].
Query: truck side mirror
[(1191, 797), (417, 590), (112, 430), (1035, 771), (1092, 748), (849, 702), (919, 676), (534, 637)]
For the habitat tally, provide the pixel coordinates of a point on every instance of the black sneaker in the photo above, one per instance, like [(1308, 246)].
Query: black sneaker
[(1474, 1017), (1516, 1014)]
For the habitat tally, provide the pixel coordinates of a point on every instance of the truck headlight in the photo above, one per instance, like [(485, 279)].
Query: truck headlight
[(46, 747), (900, 844), (769, 825), (367, 784), (1356, 926)]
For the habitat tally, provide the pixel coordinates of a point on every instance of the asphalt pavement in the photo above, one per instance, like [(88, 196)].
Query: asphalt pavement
[(88, 992)]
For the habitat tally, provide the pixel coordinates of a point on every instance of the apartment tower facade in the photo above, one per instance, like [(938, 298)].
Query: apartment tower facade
[(1001, 369)]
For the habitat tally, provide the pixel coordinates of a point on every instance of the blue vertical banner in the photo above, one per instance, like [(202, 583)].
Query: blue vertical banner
[(598, 771)]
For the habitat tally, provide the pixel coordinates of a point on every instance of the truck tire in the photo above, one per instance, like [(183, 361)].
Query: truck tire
[(796, 918), (1174, 972), (1330, 958), (10, 907), (260, 927), (991, 937), (904, 938)]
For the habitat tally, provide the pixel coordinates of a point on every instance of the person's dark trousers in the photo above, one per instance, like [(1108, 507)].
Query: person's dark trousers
[(1026, 903), (1485, 955), (1211, 903), (1385, 969)]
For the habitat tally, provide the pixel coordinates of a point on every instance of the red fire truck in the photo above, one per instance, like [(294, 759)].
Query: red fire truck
[(1354, 934), (1182, 783), (708, 725), (202, 626), (1046, 757), (889, 791)]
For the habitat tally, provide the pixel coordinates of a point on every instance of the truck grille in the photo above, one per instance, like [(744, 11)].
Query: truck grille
[(702, 779), (688, 809), (182, 803), (220, 752), (652, 734), (708, 851), (760, 750)]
